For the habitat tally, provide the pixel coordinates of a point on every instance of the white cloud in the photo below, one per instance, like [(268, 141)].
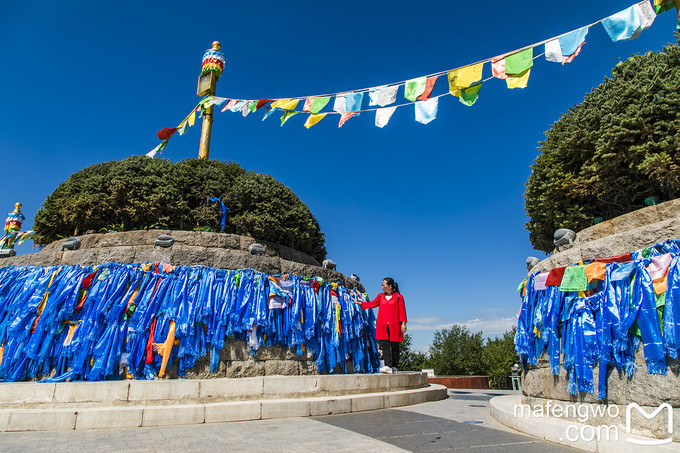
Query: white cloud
[(489, 326)]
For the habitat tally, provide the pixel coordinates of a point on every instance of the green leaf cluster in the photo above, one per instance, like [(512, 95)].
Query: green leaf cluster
[(141, 193), (606, 155)]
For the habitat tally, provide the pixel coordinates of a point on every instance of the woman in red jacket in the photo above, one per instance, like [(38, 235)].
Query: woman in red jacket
[(391, 323)]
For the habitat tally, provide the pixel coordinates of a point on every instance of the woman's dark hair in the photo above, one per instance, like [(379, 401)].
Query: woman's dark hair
[(392, 284)]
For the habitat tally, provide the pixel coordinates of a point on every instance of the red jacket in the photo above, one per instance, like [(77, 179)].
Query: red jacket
[(392, 312)]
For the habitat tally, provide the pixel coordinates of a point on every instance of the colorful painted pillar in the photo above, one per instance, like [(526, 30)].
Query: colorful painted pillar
[(13, 234), (211, 70)]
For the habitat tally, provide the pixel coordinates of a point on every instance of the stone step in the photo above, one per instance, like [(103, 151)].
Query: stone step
[(162, 392), (102, 417)]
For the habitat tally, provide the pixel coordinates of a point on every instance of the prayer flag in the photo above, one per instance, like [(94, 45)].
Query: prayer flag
[(469, 95), (519, 62), (570, 43), (498, 68), (519, 80), (429, 86), (157, 149), (553, 51), (307, 107), (382, 116), (166, 133), (313, 119), (319, 103), (252, 105), (206, 100), (268, 112), (383, 95), (192, 118), (353, 101), (182, 128), (414, 88), (229, 105), (214, 101), (344, 117), (245, 108), (340, 104), (647, 15), (426, 111), (622, 25), (285, 104), (287, 115), (464, 77), (237, 107), (261, 103)]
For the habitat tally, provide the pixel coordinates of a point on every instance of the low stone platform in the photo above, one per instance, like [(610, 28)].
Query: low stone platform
[(127, 404), (462, 382)]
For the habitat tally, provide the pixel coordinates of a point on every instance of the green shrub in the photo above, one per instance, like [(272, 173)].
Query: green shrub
[(141, 193)]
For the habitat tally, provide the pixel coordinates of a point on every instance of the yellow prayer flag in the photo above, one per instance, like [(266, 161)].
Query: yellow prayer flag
[(464, 77), (313, 119), (192, 118), (285, 104), (518, 81)]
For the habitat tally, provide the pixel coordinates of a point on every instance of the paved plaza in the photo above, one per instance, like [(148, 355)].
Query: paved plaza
[(459, 422)]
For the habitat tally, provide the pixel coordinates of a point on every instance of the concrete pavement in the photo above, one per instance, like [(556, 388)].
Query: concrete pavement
[(462, 421)]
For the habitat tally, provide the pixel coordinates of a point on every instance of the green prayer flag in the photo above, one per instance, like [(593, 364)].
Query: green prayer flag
[(206, 99), (253, 106), (414, 88), (575, 279), (319, 103), (287, 115), (519, 62), (469, 95), (521, 285)]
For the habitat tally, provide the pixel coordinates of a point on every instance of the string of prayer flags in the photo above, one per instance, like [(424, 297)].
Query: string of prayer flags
[(429, 86), (469, 95), (314, 118), (166, 133), (287, 115), (383, 95), (383, 115), (344, 117), (464, 83), (464, 77), (426, 111), (414, 88), (353, 101)]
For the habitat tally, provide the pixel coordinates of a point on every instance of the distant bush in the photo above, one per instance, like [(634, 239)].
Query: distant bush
[(141, 193)]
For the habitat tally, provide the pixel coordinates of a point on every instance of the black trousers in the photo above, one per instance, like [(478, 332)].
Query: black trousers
[(390, 350)]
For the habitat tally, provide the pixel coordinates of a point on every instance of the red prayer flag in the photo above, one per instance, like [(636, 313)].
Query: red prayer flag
[(555, 276), (261, 103), (615, 259), (166, 133), (344, 117), (429, 86)]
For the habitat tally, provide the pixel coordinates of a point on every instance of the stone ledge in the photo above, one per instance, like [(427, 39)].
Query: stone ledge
[(183, 414)]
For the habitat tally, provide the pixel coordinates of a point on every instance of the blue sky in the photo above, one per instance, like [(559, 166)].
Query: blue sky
[(438, 207)]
